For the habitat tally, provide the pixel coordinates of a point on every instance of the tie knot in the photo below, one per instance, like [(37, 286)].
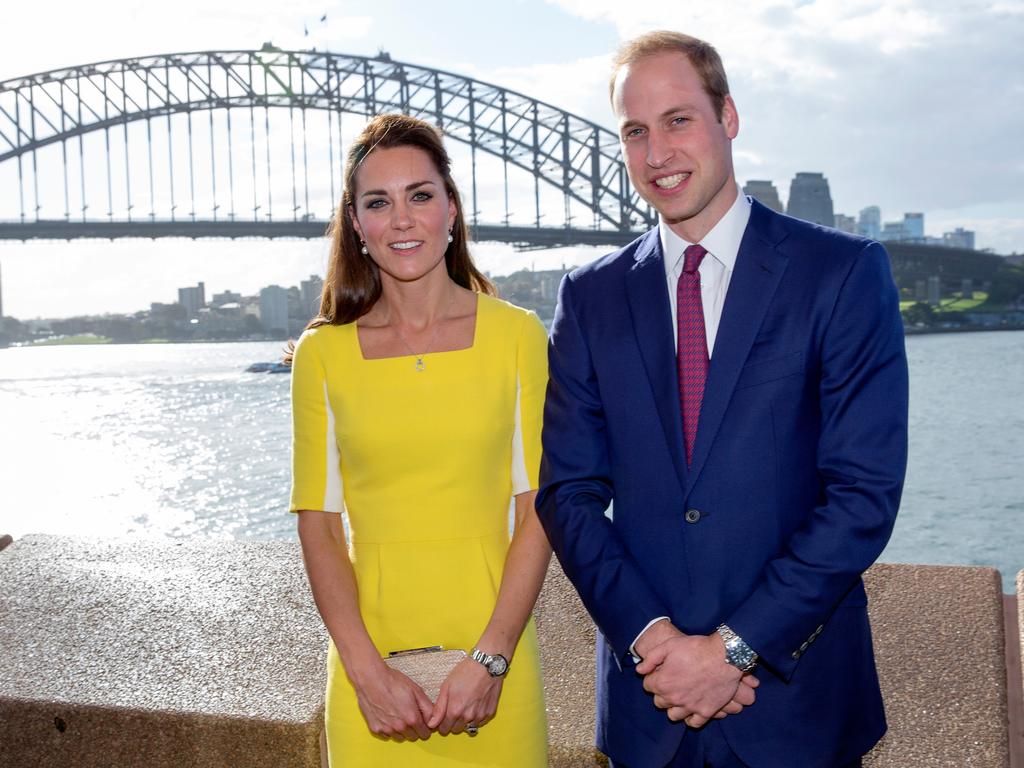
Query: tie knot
[(692, 257)]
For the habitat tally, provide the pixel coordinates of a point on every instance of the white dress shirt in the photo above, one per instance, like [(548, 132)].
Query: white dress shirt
[(722, 244)]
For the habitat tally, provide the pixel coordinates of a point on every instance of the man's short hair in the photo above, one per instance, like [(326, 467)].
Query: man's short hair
[(702, 55)]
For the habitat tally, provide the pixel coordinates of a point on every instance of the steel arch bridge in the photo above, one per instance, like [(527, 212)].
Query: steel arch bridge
[(249, 143)]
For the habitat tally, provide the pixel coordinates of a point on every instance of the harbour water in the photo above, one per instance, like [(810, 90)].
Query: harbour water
[(176, 440)]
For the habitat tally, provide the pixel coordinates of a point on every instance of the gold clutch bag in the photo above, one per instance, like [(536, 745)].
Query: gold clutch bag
[(427, 667)]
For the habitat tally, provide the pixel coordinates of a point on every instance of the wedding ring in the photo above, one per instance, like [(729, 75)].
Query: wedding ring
[(472, 729)]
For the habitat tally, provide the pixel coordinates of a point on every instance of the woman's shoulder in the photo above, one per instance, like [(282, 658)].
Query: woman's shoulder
[(507, 311), (326, 335), (514, 324)]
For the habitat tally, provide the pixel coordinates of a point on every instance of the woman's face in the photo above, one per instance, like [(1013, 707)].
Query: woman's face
[(402, 211)]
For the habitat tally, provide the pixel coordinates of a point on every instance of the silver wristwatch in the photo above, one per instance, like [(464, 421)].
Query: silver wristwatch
[(737, 652), (496, 664)]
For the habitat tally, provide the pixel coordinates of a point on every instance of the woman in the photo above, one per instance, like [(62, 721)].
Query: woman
[(417, 400)]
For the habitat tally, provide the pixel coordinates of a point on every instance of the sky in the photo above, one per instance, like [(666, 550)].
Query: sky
[(911, 105)]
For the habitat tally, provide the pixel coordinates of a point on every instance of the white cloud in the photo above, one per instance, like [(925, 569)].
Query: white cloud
[(908, 104)]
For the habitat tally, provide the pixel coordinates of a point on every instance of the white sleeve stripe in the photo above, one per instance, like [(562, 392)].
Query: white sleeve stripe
[(520, 479), (333, 490)]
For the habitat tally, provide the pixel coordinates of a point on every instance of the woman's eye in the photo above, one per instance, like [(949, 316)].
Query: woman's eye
[(422, 196), (378, 203)]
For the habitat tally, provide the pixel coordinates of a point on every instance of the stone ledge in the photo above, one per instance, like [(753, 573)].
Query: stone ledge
[(939, 644), (210, 654), (197, 653)]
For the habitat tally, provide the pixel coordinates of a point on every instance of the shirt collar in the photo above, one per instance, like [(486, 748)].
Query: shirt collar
[(722, 242)]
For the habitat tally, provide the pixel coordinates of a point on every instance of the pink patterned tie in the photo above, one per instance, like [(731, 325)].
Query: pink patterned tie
[(692, 355)]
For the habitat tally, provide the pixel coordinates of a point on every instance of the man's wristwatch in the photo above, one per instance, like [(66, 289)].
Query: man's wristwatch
[(496, 664), (737, 652)]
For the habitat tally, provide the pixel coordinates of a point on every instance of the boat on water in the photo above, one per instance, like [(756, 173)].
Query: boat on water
[(269, 368)]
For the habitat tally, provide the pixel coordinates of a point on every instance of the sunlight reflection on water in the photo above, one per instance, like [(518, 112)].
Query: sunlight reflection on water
[(176, 440)]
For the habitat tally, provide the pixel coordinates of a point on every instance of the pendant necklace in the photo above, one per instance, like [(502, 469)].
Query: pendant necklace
[(420, 364)]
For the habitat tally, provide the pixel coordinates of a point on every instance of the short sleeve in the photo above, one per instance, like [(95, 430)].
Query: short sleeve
[(316, 461), (531, 384)]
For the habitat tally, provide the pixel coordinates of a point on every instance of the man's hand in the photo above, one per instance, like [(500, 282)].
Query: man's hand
[(689, 676)]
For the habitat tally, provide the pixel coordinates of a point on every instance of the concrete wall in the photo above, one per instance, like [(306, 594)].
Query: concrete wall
[(204, 654), (188, 654), (939, 645)]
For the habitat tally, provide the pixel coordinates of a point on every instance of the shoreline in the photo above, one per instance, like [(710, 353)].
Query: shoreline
[(907, 331)]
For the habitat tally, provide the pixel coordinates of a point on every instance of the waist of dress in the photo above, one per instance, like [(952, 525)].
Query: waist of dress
[(376, 535)]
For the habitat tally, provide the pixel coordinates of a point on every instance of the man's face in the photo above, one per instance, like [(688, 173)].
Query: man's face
[(678, 153)]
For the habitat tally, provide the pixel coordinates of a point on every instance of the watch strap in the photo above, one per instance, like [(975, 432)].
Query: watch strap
[(737, 652)]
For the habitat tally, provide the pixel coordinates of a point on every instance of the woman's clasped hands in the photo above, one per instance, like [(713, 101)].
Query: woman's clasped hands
[(397, 708), (469, 696), (393, 706)]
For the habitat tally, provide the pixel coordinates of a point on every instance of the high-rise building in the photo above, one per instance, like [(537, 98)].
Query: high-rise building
[(959, 238), (892, 230), (846, 223), (193, 299), (869, 223), (274, 309), (310, 291), (810, 200), (225, 297), (913, 226), (765, 193)]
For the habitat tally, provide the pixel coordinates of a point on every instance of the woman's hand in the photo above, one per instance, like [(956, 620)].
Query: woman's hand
[(393, 706), (468, 695)]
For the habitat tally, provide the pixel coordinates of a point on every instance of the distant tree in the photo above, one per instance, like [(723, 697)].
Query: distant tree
[(920, 313), (1007, 287)]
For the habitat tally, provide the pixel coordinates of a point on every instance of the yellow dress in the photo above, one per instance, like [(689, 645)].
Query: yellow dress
[(425, 464)]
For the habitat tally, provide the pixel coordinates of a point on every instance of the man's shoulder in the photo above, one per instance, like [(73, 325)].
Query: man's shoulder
[(820, 246), (800, 232), (612, 266)]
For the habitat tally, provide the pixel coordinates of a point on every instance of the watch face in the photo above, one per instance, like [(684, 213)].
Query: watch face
[(498, 665)]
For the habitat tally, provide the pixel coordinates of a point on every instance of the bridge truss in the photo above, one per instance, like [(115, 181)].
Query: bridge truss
[(251, 143)]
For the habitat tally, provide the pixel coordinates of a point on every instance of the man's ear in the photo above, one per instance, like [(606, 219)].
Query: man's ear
[(730, 117)]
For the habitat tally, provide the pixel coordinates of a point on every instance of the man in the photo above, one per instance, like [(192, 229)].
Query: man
[(735, 381)]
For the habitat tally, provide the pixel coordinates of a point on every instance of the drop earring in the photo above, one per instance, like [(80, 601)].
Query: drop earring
[(451, 237), (365, 251)]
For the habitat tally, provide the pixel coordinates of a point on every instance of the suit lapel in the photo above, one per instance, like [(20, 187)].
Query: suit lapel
[(759, 267), (652, 322)]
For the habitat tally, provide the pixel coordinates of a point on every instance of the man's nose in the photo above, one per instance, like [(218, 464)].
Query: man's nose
[(659, 150)]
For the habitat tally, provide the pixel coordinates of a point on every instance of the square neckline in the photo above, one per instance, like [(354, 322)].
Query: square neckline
[(472, 344)]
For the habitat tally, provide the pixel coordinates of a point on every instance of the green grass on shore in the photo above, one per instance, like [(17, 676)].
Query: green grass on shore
[(78, 339), (953, 304)]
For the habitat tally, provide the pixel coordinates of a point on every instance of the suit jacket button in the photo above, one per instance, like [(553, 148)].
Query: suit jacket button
[(692, 515)]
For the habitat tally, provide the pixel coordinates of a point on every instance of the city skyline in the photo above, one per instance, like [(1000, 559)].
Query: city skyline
[(883, 99)]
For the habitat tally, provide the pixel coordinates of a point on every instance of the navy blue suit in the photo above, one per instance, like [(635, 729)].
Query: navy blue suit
[(792, 493)]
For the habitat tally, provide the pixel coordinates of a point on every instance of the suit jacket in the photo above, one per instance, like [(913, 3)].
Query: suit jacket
[(792, 493)]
